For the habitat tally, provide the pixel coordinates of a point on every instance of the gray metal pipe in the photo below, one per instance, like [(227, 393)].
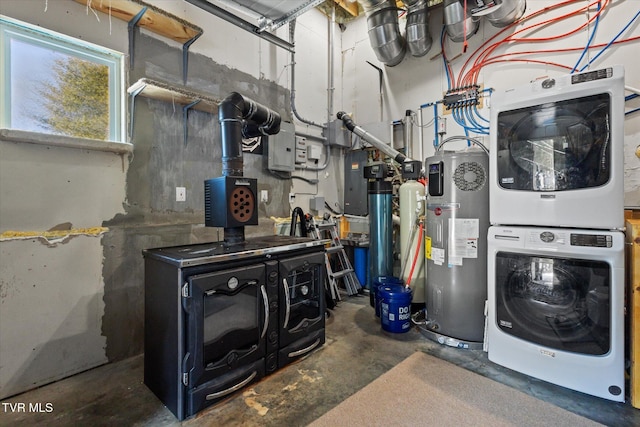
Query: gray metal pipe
[(372, 139), (384, 31), (292, 31), (419, 40)]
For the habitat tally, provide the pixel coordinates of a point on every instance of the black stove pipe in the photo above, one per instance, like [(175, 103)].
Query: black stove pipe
[(241, 117)]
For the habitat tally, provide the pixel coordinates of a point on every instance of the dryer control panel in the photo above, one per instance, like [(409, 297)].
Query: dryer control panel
[(592, 240)]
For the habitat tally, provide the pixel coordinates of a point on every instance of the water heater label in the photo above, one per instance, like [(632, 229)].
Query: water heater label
[(437, 255), (463, 239)]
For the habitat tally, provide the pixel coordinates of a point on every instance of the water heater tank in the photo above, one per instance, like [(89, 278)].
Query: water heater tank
[(456, 246)]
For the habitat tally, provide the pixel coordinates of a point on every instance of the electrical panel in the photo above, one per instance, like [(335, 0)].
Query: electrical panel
[(281, 149), (355, 184)]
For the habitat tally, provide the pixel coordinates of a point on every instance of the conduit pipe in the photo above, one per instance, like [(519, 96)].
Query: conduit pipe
[(292, 30), (384, 31), (417, 29)]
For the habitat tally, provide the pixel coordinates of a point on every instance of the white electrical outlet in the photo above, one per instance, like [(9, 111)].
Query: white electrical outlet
[(181, 194), (264, 196)]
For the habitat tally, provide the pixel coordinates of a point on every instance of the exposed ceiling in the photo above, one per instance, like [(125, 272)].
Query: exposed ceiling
[(275, 13)]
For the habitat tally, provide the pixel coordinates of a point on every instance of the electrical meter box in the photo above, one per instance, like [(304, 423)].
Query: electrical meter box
[(281, 149)]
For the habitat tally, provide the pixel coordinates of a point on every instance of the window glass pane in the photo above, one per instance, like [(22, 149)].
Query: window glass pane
[(60, 85)]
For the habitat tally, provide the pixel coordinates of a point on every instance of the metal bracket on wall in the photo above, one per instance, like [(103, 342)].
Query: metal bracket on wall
[(185, 57), (185, 116), (131, 28), (140, 14), (165, 92)]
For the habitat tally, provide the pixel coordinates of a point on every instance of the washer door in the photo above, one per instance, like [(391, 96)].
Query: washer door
[(560, 303)]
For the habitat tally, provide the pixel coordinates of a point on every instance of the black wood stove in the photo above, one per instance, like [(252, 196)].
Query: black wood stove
[(220, 316)]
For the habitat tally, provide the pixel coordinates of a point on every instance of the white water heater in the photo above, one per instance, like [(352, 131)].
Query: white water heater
[(456, 246)]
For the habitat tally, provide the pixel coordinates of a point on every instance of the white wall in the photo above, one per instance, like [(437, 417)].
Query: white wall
[(417, 81)]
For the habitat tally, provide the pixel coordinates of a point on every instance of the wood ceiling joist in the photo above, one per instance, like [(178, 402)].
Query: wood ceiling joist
[(154, 19), (352, 8)]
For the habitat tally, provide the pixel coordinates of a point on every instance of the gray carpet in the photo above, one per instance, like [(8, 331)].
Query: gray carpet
[(426, 391)]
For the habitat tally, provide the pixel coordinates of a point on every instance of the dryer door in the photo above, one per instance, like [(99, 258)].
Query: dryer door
[(561, 303), (558, 146)]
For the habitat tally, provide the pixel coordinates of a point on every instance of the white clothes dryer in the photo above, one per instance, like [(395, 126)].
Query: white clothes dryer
[(557, 149), (556, 306)]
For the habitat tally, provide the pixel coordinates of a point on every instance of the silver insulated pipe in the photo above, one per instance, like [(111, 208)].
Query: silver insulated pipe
[(456, 21), (384, 31), (500, 13), (417, 29)]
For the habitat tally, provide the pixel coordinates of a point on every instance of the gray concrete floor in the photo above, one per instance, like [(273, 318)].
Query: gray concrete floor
[(357, 351)]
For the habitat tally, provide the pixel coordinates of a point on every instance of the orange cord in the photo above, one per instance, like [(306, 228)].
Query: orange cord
[(483, 55), (415, 257)]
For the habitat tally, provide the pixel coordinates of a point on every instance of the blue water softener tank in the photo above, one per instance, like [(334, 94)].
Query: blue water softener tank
[(456, 245), (380, 225)]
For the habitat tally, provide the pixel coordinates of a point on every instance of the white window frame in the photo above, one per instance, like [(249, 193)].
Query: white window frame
[(18, 30)]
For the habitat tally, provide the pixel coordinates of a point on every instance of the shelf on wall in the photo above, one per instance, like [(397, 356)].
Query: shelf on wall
[(154, 19), (163, 92)]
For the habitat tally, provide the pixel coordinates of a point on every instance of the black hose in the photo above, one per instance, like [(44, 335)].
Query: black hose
[(298, 213)]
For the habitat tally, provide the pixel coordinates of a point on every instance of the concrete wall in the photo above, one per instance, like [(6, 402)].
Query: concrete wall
[(418, 81), (69, 306)]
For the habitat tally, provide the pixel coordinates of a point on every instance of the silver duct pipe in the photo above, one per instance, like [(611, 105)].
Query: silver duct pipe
[(455, 20), (417, 29), (384, 31), (501, 13)]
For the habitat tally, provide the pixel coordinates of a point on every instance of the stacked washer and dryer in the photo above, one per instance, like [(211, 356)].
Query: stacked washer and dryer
[(555, 246)]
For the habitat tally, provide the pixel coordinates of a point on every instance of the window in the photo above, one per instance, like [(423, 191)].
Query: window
[(55, 84)]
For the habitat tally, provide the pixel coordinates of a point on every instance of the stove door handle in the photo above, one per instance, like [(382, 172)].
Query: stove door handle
[(232, 389), (304, 350), (265, 299), (287, 301)]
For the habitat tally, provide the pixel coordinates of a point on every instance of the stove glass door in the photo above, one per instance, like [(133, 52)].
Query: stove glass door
[(227, 320), (561, 303), (302, 291)]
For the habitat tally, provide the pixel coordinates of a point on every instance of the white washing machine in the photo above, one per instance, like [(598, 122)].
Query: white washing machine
[(557, 152), (556, 306)]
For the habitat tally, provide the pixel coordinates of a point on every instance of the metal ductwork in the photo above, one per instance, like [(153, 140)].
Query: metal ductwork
[(500, 13), (456, 21), (417, 29), (372, 139), (241, 117), (384, 31)]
